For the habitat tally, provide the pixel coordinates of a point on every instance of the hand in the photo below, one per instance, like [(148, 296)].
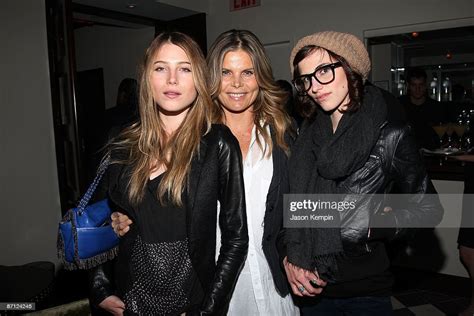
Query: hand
[(301, 280), (113, 305), (387, 209), (120, 223)]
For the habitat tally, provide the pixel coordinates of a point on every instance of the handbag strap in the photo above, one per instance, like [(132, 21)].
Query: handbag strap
[(90, 191)]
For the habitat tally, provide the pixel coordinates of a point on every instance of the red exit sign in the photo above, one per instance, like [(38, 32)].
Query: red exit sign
[(243, 4)]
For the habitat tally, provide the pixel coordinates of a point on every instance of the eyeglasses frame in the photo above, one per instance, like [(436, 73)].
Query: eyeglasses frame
[(313, 75)]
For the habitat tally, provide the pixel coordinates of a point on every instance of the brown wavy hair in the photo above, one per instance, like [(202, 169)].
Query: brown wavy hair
[(269, 104), (146, 141), (355, 83)]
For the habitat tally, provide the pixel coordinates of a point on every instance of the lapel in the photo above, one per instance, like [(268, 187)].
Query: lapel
[(302, 163), (192, 189), (277, 164), (195, 175)]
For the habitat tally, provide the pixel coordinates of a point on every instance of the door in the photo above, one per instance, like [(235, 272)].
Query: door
[(69, 148), (90, 100)]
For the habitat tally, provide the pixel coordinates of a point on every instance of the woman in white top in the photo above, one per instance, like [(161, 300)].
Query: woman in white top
[(252, 105)]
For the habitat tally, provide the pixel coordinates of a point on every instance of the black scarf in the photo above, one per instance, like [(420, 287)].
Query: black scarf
[(320, 159)]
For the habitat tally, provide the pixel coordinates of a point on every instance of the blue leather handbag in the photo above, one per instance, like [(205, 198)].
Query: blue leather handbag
[(86, 238)]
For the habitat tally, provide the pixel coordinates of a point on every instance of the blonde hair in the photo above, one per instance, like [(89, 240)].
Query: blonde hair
[(146, 141), (269, 104)]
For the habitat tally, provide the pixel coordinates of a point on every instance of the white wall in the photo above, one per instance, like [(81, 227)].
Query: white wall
[(29, 197), (117, 50), (283, 20)]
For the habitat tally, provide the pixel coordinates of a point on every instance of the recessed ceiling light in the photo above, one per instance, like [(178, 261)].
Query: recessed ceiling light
[(131, 5)]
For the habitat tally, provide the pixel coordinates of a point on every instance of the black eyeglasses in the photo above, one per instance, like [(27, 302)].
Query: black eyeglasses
[(323, 74)]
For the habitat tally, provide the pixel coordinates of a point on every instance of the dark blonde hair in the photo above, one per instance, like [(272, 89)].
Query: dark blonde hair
[(146, 142), (268, 106)]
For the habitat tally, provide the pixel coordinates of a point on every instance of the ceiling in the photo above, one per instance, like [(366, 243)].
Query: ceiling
[(149, 9)]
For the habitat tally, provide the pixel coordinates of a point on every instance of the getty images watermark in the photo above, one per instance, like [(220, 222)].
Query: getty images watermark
[(424, 210), (311, 210)]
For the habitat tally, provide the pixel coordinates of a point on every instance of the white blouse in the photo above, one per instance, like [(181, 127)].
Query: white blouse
[(255, 292)]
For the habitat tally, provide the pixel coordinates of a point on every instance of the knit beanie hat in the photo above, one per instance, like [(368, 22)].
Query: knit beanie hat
[(345, 45)]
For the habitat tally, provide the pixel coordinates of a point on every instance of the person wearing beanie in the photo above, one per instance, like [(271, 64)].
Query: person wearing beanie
[(347, 146)]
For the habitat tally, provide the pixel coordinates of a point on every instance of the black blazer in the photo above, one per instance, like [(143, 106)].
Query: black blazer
[(273, 220), (216, 174)]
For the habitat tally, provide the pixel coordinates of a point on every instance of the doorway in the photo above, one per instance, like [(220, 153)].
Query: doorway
[(91, 50)]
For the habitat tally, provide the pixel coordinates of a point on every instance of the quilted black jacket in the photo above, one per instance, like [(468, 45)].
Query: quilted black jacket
[(394, 162)]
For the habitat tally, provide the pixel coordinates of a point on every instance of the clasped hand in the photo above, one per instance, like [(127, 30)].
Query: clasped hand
[(303, 282)]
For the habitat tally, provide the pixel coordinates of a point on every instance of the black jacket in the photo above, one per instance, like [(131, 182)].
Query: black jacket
[(273, 220), (216, 174), (394, 160)]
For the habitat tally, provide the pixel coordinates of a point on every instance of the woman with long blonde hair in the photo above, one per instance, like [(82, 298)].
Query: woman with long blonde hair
[(248, 100), (168, 172)]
